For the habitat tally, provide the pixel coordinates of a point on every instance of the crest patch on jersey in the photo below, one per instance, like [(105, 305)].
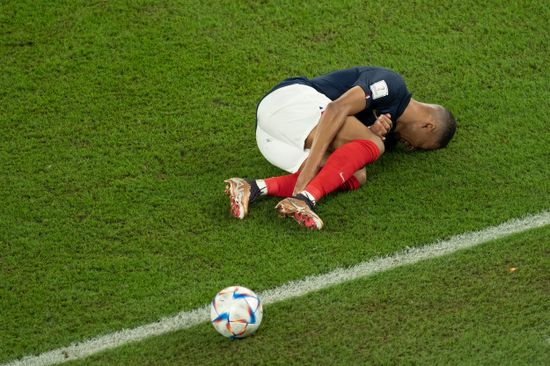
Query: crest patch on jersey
[(379, 89)]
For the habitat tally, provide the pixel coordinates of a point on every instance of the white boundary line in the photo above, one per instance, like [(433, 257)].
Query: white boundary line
[(187, 319)]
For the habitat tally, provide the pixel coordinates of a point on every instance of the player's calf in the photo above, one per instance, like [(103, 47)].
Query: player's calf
[(341, 166)]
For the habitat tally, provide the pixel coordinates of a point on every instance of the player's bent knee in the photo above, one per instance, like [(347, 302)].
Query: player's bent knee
[(379, 143), (361, 176)]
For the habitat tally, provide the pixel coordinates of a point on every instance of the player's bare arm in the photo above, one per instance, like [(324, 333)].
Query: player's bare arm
[(330, 123)]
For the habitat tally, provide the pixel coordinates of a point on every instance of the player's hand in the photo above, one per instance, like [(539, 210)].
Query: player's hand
[(382, 125)]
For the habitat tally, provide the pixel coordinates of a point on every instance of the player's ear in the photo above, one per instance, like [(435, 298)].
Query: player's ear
[(429, 125)]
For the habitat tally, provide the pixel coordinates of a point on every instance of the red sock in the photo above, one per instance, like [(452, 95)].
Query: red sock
[(351, 184), (282, 186), (341, 165)]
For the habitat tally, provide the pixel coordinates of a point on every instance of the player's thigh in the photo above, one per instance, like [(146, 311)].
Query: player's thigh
[(353, 129), (290, 113), (281, 154)]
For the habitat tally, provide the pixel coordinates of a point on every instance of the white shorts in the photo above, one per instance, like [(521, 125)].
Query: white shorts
[(285, 119)]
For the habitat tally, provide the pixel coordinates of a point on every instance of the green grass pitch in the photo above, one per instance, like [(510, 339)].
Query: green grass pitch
[(119, 121)]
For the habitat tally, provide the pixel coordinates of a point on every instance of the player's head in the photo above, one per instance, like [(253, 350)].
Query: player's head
[(432, 129)]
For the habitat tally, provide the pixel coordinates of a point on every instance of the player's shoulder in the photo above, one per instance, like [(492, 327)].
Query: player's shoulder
[(389, 77), (378, 70)]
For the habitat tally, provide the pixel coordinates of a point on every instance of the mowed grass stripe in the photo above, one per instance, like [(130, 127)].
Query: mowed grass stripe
[(293, 289)]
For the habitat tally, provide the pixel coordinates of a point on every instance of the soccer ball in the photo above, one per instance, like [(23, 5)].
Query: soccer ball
[(236, 312)]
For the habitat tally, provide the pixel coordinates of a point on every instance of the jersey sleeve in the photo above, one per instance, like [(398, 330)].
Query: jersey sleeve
[(364, 82), (385, 91)]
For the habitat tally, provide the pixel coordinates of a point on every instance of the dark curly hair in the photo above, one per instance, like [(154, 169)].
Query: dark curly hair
[(448, 128)]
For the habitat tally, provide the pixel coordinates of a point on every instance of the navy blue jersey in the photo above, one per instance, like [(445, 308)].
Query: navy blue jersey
[(385, 89)]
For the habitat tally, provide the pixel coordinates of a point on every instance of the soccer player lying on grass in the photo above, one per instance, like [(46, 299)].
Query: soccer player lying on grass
[(324, 131)]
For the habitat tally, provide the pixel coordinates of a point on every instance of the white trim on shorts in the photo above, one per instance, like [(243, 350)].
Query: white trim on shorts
[(285, 119)]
